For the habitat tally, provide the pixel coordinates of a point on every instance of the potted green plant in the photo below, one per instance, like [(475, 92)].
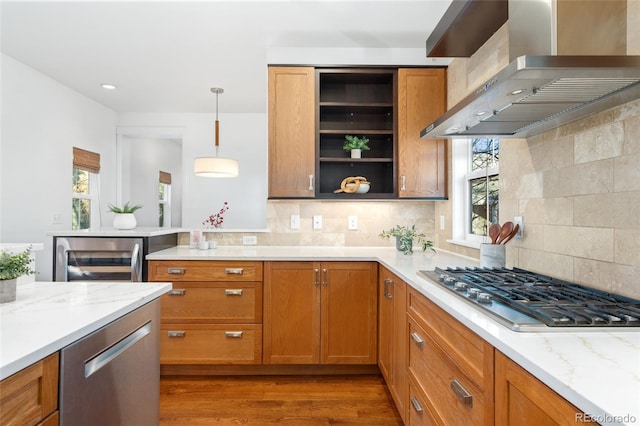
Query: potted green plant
[(355, 145), (13, 266), (405, 237), (124, 218)]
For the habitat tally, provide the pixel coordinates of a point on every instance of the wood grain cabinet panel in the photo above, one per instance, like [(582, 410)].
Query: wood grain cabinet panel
[(523, 400), (30, 396), (291, 132), (320, 312), (204, 270), (422, 163)]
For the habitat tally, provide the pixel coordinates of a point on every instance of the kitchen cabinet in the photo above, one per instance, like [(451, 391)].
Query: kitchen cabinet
[(213, 314), (450, 368), (358, 102), (309, 118), (523, 400), (422, 163), (291, 132), (30, 396), (392, 335), (320, 313)]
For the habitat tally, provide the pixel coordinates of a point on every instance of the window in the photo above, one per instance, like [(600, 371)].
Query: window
[(164, 200), (84, 189), (476, 189)]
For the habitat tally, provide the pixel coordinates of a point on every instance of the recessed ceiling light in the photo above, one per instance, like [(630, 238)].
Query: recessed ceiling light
[(480, 113), (516, 92), (109, 86)]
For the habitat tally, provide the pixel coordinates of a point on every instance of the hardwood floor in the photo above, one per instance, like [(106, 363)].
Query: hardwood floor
[(266, 400)]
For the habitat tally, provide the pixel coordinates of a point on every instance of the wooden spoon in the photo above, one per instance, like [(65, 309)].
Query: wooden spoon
[(494, 232), (504, 232), (511, 235)]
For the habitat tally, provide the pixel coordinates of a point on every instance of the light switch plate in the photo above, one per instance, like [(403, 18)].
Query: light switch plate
[(317, 222), (517, 220), (353, 222), (249, 240), (295, 221)]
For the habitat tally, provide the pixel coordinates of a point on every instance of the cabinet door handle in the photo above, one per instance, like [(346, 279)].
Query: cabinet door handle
[(233, 271), (177, 292), (233, 334), (316, 281), (233, 292), (310, 182), (176, 271), (416, 405), (463, 395), (176, 333), (417, 339), (387, 283), (324, 278), (403, 184)]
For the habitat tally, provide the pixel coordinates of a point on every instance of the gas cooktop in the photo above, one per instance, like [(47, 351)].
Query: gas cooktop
[(527, 301)]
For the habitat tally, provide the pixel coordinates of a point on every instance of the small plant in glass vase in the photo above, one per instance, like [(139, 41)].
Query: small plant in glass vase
[(355, 145), (405, 237), (12, 267)]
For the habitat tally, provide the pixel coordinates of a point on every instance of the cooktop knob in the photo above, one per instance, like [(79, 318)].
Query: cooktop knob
[(442, 277), (449, 281), (460, 286), (484, 298), (473, 293)]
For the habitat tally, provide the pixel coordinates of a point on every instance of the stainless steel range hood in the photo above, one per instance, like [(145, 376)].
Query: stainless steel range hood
[(539, 92)]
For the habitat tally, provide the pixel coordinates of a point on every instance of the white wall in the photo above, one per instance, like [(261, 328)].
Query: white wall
[(243, 137), (41, 121)]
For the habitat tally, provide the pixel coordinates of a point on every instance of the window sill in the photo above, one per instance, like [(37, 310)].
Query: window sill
[(464, 243)]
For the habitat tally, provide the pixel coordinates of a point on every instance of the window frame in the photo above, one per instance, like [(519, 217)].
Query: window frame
[(461, 197), (166, 203), (92, 196)]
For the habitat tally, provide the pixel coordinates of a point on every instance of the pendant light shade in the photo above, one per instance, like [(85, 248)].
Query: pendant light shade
[(215, 166)]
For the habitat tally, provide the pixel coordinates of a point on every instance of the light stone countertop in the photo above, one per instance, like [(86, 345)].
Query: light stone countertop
[(47, 316), (596, 370)]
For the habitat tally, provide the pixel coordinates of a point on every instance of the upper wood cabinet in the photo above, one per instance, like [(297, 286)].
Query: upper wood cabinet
[(291, 132), (422, 163), (320, 313), (311, 110)]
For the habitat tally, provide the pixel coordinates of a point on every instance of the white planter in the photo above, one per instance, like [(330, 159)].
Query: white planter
[(124, 221), (356, 153), (8, 290)]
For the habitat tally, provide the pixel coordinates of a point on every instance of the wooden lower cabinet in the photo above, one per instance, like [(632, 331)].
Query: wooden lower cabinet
[(451, 368), (523, 400), (392, 335), (30, 396), (320, 313), (213, 314)]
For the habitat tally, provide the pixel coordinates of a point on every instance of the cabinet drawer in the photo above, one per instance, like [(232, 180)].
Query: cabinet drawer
[(222, 302), (419, 413), (468, 350), (204, 270), (211, 344), (450, 394), (31, 394)]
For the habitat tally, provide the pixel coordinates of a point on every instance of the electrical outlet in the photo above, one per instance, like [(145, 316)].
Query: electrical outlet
[(56, 218), (248, 240), (517, 220), (317, 222), (295, 221), (353, 222)]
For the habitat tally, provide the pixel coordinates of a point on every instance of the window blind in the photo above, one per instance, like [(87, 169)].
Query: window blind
[(86, 160), (165, 177)]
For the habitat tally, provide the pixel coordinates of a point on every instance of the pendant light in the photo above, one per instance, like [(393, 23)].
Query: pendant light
[(216, 166)]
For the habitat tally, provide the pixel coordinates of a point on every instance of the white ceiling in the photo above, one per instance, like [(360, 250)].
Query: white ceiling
[(165, 56)]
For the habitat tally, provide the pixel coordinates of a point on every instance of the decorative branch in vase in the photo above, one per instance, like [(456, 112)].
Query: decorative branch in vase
[(217, 219)]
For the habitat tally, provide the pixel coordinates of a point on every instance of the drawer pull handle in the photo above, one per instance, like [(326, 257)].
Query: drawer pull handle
[(463, 395), (176, 271), (177, 292), (233, 334), (316, 280), (233, 271), (416, 405), (417, 339), (176, 333), (233, 292), (387, 283)]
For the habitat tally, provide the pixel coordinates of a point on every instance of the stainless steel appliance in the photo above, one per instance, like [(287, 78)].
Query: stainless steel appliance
[(112, 259), (106, 258), (112, 376), (527, 301)]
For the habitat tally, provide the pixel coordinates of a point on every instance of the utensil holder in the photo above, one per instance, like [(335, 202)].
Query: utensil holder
[(492, 255)]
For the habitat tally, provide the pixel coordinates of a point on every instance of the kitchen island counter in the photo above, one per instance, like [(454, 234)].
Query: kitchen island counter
[(597, 370), (47, 316)]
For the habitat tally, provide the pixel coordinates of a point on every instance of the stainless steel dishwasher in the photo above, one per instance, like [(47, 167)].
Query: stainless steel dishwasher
[(112, 376)]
